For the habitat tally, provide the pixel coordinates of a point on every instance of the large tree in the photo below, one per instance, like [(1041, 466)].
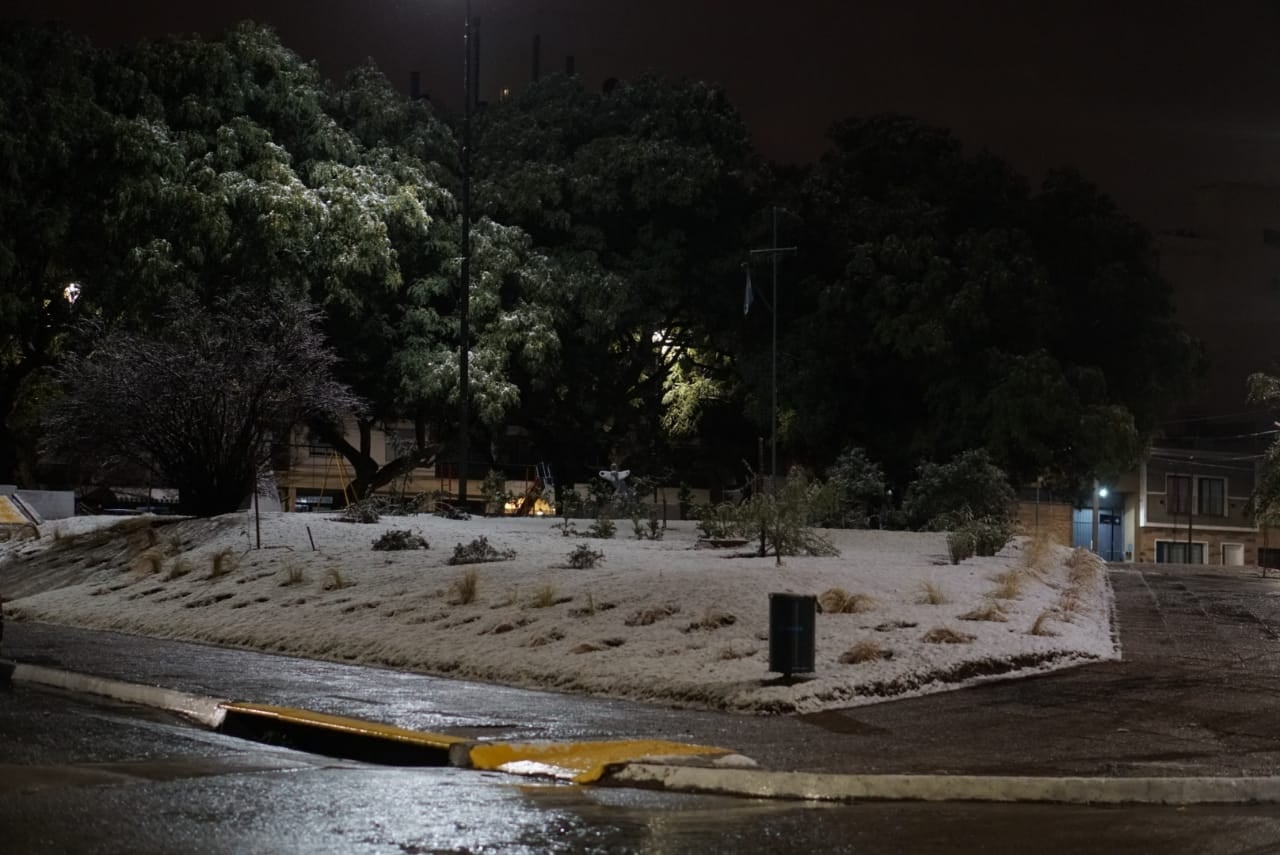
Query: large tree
[(200, 401), (946, 306), (640, 194)]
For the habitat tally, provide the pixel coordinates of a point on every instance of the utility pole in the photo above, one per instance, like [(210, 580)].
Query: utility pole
[(773, 251), (464, 305)]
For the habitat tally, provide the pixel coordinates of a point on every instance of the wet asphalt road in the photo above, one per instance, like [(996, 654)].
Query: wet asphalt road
[(83, 776), (1198, 692)]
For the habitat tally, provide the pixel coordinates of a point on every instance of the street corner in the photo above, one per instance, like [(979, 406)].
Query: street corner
[(587, 762)]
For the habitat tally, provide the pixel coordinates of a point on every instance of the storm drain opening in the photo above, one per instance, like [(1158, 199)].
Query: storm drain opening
[(335, 736)]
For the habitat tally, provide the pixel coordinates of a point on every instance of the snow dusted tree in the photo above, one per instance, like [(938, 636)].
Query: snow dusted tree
[(200, 401)]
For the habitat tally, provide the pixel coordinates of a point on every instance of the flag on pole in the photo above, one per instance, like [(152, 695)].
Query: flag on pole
[(748, 296)]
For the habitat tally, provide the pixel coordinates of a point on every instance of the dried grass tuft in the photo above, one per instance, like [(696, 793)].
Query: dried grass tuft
[(224, 562), (988, 612), (1041, 625), (465, 587), (543, 597), (931, 595), (335, 581), (947, 635), (840, 601), (293, 575), (864, 651), (1009, 585)]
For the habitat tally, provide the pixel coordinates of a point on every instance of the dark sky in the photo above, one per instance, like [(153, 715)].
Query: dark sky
[(1148, 98)]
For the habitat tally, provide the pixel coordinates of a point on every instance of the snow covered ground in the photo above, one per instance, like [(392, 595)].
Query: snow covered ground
[(662, 621)]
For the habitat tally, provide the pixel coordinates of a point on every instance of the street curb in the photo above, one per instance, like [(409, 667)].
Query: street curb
[(736, 780), (973, 788), (205, 711)]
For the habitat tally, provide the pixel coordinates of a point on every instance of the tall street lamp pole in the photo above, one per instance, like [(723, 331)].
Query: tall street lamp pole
[(773, 251), (464, 306)]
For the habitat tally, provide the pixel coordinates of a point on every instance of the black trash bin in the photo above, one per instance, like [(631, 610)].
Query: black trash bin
[(791, 633)]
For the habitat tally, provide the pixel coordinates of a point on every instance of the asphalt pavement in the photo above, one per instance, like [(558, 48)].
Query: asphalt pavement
[(1197, 693)]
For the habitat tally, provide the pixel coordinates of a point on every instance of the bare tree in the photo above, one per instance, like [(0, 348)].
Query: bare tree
[(200, 401)]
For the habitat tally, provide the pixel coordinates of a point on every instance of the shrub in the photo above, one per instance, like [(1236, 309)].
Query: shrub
[(399, 539), (857, 491), (603, 528), (583, 557), (945, 495), (479, 551), (718, 522), (960, 545), (365, 511), (990, 535), (785, 518)]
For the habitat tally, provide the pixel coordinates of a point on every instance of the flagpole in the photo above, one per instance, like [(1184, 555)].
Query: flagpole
[(773, 251)]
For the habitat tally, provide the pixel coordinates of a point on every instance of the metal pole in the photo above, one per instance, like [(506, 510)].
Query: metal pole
[(773, 431), (464, 380), (1096, 545)]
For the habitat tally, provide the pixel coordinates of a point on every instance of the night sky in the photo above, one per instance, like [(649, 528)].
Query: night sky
[(1148, 98)]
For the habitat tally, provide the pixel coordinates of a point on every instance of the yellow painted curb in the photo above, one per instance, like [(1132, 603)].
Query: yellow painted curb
[(580, 762), (343, 724)]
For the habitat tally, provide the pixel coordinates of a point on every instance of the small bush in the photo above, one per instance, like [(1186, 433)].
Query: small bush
[(465, 587), (990, 535), (479, 551), (224, 561), (603, 528), (864, 651), (583, 557), (365, 511), (398, 540), (946, 635), (931, 595), (960, 545), (650, 529), (717, 522), (335, 581)]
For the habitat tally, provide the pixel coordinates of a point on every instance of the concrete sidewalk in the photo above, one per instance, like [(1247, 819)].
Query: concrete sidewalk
[(1195, 697)]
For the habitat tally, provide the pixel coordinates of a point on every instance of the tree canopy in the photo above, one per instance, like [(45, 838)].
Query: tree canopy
[(937, 302)]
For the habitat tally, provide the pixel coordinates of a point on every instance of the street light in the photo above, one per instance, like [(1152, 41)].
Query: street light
[(773, 251)]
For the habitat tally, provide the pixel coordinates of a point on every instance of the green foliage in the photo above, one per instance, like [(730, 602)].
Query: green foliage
[(650, 528), (398, 539), (603, 527), (857, 490), (945, 306), (947, 495), (365, 511), (785, 518), (479, 551), (718, 521), (583, 557)]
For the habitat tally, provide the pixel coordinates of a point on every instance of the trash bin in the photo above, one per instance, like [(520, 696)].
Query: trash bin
[(791, 633)]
